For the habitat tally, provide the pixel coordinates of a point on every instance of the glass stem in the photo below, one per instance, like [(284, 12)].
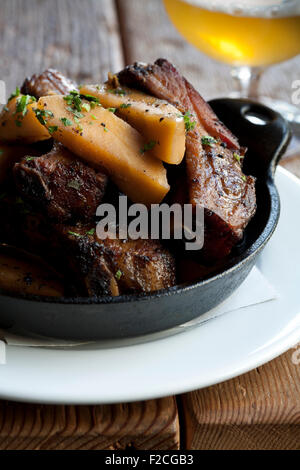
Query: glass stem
[(247, 81)]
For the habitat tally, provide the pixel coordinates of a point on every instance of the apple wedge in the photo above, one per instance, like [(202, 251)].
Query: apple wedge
[(98, 136), (157, 120)]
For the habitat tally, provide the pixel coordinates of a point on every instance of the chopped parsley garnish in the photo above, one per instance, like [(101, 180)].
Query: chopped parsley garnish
[(91, 98), (18, 123), (75, 104), (112, 110), (237, 157), (28, 159), (125, 105), (93, 117), (52, 129), (91, 232), (189, 125), (244, 178), (104, 126), (14, 94), (118, 91), (75, 234), (86, 107), (208, 140), (118, 274), (149, 146), (42, 114), (66, 122), (74, 184), (76, 113), (22, 104)]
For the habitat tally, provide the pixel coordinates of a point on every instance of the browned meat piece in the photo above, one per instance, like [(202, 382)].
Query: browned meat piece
[(91, 267), (60, 185), (163, 81), (49, 82), (214, 176), (113, 267)]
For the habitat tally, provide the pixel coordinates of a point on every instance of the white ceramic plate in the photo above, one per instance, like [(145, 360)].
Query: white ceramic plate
[(220, 349)]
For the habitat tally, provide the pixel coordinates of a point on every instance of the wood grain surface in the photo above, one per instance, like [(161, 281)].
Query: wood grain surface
[(141, 425), (79, 38), (259, 410)]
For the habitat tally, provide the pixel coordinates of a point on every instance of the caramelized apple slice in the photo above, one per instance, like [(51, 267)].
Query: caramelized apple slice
[(95, 134), (157, 120)]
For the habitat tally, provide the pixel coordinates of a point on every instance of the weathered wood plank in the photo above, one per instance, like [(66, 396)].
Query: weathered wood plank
[(148, 34), (258, 410), (141, 425), (81, 39)]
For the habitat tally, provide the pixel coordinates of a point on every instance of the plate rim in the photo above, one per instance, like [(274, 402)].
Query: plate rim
[(63, 396)]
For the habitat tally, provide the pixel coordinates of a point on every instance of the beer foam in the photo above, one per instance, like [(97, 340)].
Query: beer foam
[(256, 8)]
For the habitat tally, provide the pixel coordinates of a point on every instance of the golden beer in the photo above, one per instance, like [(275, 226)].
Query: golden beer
[(240, 32)]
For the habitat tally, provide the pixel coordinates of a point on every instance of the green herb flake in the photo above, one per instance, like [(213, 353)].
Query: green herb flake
[(18, 123), (118, 274), (94, 117), (14, 94), (149, 146), (112, 110), (66, 122), (244, 178), (86, 107), (237, 157), (91, 232), (208, 140), (29, 159), (42, 114), (91, 98), (22, 104), (74, 234), (189, 124), (74, 184), (52, 129), (118, 91), (125, 105)]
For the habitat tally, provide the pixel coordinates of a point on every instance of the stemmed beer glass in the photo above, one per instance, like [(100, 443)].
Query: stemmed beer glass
[(249, 35)]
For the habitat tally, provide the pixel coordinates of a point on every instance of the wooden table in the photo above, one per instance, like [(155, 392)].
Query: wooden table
[(259, 410)]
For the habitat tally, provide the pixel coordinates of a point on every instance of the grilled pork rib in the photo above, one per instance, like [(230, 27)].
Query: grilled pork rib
[(48, 82), (214, 175), (60, 185)]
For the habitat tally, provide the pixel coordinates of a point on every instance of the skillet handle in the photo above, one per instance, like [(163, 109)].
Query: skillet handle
[(267, 142)]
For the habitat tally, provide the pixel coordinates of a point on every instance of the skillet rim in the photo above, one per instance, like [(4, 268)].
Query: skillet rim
[(252, 251)]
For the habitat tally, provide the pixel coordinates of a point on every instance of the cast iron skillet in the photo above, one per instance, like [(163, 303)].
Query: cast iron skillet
[(127, 316)]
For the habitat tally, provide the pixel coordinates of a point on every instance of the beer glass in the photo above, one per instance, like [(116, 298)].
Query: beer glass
[(249, 35)]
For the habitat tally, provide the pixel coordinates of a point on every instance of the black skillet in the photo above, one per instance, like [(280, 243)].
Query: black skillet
[(127, 316)]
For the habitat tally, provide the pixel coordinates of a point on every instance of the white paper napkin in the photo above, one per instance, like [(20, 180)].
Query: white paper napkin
[(256, 289)]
